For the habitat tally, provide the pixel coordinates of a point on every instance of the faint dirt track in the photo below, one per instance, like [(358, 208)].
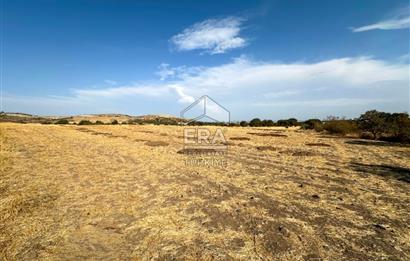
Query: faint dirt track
[(124, 192)]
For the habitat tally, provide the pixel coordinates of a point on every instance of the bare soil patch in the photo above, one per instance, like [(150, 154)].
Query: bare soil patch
[(156, 143), (239, 138)]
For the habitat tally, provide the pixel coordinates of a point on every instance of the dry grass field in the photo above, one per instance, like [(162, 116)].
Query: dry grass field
[(121, 192)]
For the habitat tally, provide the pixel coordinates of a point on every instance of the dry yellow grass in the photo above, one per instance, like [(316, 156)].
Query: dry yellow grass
[(124, 192)]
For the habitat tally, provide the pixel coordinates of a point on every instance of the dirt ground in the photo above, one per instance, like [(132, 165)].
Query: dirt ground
[(129, 192)]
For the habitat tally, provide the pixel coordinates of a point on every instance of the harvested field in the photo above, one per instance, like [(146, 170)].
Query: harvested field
[(124, 192)]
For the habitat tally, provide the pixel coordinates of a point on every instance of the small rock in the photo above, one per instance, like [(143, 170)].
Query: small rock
[(378, 226)]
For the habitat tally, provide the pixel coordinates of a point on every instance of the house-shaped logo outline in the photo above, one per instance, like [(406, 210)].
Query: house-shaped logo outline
[(204, 98)]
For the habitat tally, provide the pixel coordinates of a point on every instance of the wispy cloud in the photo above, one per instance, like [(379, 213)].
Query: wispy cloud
[(400, 20), (214, 36), (243, 78), (110, 82), (342, 84)]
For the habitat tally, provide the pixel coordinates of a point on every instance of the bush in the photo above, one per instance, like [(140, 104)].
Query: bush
[(85, 122), (341, 127), (374, 122), (287, 123), (114, 122), (268, 123), (366, 135), (99, 123), (62, 121), (399, 126), (313, 124), (256, 122), (244, 124), (386, 126)]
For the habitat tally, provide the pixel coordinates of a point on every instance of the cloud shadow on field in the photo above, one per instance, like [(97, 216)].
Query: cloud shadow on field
[(376, 143), (399, 173)]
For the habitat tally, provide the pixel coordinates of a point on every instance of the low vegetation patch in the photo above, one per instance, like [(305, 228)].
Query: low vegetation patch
[(85, 122), (318, 144), (156, 143), (263, 148), (239, 138), (271, 134), (62, 121)]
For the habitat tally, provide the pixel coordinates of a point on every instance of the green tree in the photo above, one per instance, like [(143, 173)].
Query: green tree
[(374, 122), (244, 124), (62, 121), (313, 124), (85, 122), (256, 122)]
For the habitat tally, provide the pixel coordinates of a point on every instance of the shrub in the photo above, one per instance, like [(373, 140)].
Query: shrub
[(342, 127), (313, 124), (244, 124), (399, 126), (62, 121), (374, 122), (99, 123), (85, 122), (287, 123), (114, 122), (256, 122), (268, 123), (366, 135)]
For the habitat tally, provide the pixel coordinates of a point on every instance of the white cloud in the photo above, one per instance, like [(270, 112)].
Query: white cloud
[(281, 94), (214, 35), (164, 71), (400, 21), (183, 97), (344, 82), (110, 82), (249, 76), (153, 91), (244, 79)]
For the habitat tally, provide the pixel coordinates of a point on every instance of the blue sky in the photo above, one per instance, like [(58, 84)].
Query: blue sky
[(267, 59)]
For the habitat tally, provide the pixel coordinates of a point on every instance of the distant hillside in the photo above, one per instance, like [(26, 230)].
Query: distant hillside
[(93, 118)]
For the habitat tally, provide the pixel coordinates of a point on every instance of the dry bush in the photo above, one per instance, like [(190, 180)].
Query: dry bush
[(341, 127)]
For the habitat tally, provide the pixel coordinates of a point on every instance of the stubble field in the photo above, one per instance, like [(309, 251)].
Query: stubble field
[(125, 192)]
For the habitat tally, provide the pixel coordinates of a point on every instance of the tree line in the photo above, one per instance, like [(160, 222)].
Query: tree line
[(371, 124)]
